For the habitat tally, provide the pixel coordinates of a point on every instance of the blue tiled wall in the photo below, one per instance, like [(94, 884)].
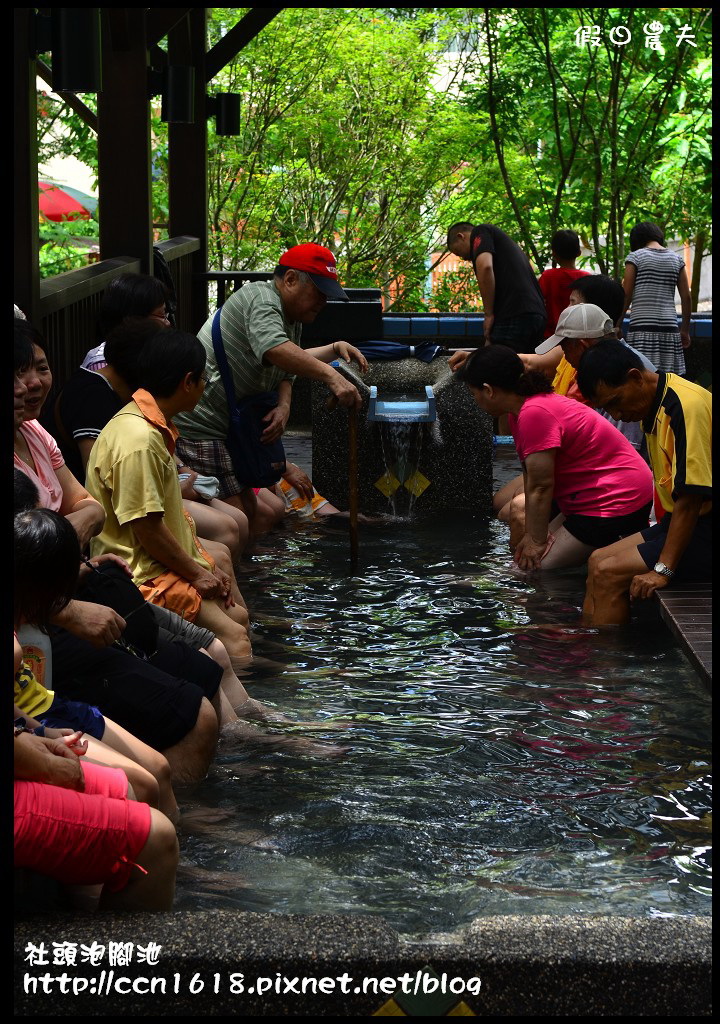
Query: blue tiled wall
[(471, 327)]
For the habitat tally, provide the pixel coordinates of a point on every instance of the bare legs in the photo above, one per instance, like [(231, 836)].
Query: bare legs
[(220, 522), (610, 573), (149, 760), (230, 624), (223, 560), (502, 498), (240, 700), (159, 856), (263, 510), (190, 758)]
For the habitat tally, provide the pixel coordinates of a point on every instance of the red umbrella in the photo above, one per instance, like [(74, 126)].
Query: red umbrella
[(60, 202)]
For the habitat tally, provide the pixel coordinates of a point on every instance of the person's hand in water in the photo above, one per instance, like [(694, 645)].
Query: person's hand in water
[(529, 553)]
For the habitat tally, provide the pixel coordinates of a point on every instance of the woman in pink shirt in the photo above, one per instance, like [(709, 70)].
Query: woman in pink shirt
[(585, 486), (35, 451)]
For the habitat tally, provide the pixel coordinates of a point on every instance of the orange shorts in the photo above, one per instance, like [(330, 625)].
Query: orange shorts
[(174, 592)]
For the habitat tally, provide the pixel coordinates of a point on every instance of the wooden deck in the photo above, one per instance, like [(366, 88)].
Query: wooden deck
[(687, 611)]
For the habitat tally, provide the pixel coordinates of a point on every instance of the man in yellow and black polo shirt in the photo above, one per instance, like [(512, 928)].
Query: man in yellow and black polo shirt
[(676, 416)]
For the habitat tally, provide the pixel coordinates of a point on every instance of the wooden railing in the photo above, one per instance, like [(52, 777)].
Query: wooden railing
[(228, 281), (69, 306), (179, 254), (69, 303)]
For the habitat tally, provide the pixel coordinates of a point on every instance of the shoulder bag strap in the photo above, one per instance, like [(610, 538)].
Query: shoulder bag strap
[(222, 362)]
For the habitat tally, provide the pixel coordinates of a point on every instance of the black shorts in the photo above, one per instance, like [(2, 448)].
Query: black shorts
[(695, 566), (178, 658), (143, 697), (599, 531), (520, 333)]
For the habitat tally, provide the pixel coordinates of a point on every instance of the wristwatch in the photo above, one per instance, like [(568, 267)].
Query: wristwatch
[(663, 570), (20, 725)]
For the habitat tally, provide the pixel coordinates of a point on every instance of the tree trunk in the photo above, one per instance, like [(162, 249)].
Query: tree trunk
[(700, 240)]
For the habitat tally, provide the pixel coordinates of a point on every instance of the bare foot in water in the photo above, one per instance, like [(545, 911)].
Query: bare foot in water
[(336, 725), (255, 664), (286, 625), (336, 516), (253, 711), (205, 819), (201, 819), (271, 620), (218, 883), (239, 732), (247, 568), (260, 549), (309, 748), (269, 647)]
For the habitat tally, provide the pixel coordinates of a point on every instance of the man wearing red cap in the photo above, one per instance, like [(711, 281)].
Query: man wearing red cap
[(261, 325)]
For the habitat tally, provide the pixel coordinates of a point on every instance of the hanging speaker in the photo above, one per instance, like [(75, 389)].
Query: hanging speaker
[(76, 52), (178, 94), (227, 113)]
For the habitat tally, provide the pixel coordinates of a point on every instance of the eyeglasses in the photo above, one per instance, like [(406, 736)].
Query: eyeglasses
[(161, 316), (205, 377)]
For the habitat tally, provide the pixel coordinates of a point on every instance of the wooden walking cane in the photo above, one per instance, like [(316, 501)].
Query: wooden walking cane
[(331, 405)]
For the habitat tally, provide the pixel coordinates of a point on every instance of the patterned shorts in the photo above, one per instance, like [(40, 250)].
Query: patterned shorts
[(210, 458), (298, 503)]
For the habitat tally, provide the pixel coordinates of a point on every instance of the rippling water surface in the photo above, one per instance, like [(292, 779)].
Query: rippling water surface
[(495, 764)]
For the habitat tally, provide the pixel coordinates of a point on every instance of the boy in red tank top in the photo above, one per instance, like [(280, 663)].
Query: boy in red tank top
[(556, 284)]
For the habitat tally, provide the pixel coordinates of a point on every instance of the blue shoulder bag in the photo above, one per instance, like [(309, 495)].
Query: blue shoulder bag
[(256, 464)]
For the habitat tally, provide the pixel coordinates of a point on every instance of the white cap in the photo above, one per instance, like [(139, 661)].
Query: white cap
[(583, 321)]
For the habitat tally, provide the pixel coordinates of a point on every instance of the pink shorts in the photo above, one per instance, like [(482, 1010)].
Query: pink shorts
[(81, 838)]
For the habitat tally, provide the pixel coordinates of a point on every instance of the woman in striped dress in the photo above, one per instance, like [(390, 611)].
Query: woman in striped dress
[(652, 273)]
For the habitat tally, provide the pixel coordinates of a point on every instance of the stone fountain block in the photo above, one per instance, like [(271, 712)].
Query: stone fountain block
[(456, 450)]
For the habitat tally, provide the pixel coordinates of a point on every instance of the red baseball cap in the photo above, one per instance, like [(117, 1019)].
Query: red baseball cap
[(319, 263)]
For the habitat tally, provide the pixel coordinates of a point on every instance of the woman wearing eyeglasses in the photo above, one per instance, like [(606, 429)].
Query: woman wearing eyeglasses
[(129, 295)]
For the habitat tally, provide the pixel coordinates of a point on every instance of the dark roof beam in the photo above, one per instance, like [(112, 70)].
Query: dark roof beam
[(238, 37), (158, 57), (70, 98), (161, 20)]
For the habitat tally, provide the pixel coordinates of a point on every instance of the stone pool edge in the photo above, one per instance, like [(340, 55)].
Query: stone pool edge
[(556, 966)]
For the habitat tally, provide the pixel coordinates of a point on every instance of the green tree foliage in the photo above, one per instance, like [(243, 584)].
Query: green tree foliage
[(591, 137), (370, 130), (63, 133), (344, 142)]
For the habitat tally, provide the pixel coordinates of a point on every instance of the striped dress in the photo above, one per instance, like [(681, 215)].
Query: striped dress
[(653, 328)]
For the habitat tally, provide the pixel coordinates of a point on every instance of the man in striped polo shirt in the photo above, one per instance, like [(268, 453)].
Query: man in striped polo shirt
[(676, 417), (261, 325)]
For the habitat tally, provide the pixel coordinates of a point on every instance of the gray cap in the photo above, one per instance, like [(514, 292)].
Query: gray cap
[(583, 321)]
